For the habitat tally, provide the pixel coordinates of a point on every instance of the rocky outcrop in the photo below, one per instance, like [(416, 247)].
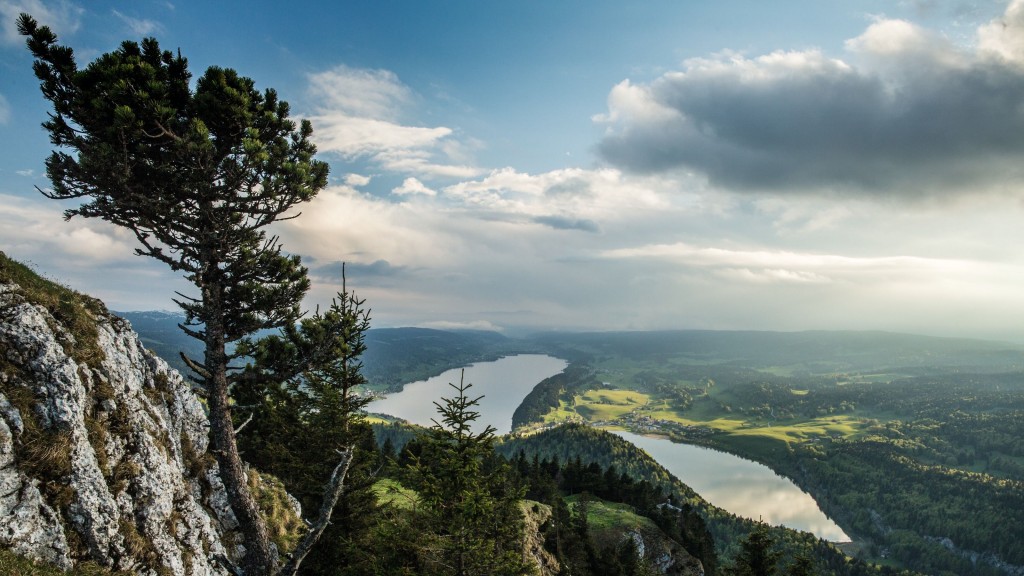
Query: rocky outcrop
[(664, 555), (535, 555), (102, 454)]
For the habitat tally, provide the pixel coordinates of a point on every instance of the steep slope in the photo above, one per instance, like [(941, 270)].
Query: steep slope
[(102, 446)]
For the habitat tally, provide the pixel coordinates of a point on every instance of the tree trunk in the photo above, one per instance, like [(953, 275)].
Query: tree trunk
[(260, 558)]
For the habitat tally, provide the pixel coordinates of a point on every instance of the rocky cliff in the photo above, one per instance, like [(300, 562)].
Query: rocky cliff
[(102, 446)]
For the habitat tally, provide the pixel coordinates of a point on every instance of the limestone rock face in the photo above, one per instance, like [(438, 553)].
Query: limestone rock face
[(103, 459)]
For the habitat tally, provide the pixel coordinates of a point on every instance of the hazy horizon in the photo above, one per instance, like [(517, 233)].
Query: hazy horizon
[(730, 166)]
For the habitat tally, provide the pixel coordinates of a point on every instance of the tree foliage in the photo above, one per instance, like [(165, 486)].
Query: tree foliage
[(294, 428), (197, 175), (757, 557), (469, 498)]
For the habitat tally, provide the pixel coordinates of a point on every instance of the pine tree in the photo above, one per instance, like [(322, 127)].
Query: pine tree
[(802, 565), (197, 175), (756, 556), (472, 509)]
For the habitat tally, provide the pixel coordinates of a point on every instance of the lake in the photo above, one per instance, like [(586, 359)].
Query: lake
[(503, 383), (740, 486)]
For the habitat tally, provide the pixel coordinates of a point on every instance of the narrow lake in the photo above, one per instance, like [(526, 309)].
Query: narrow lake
[(503, 383), (740, 486)]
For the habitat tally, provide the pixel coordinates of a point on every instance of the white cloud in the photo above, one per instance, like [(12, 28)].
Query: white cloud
[(368, 229), (412, 186), (88, 255), (801, 217), (771, 276), (358, 115), (908, 113), (351, 136), (62, 16), (481, 250), (360, 93), (1005, 36), (507, 214), (628, 102), (139, 26), (356, 180), (422, 162), (602, 193), (471, 325), (788, 266), (36, 228)]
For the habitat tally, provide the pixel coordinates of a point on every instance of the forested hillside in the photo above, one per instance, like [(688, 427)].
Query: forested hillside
[(396, 356), (911, 444)]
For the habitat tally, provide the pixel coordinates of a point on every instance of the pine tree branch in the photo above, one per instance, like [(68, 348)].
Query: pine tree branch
[(195, 366), (243, 424), (332, 492)]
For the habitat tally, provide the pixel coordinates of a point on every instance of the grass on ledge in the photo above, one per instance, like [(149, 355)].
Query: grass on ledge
[(13, 565), (74, 310)]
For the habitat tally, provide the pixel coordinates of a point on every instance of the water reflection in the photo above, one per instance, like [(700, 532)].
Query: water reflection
[(740, 486), (503, 383)]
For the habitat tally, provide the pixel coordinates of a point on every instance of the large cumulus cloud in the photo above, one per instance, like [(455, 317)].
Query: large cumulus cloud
[(905, 112)]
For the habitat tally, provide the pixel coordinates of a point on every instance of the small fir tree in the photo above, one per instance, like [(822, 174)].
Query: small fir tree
[(756, 556), (471, 507), (296, 423), (802, 565)]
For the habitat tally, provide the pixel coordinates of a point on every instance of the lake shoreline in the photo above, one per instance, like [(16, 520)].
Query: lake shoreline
[(503, 384)]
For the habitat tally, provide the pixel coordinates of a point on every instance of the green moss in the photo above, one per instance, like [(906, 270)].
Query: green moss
[(161, 382), (188, 559), (157, 392), (120, 421), (612, 517), (134, 543), (96, 428), (76, 544), (76, 311), (102, 390)]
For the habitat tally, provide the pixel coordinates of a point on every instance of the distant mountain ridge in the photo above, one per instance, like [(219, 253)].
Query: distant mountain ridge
[(395, 356), (840, 350)]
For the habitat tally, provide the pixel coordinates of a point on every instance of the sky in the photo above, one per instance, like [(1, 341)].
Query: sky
[(601, 165)]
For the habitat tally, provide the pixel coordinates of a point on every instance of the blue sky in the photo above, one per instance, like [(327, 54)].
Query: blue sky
[(600, 165)]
